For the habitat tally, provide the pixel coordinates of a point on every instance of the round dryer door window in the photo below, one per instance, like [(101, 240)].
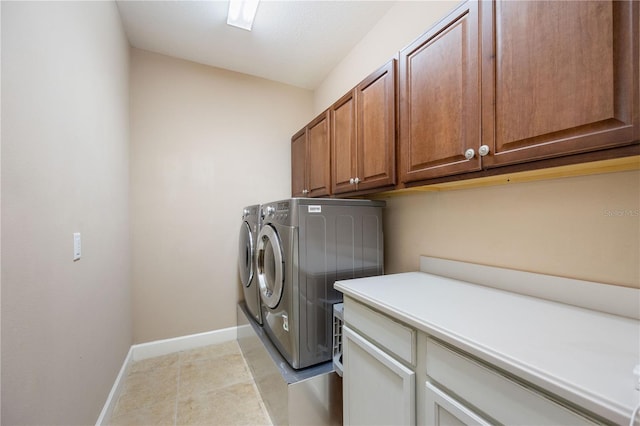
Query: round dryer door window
[(270, 266), (245, 254)]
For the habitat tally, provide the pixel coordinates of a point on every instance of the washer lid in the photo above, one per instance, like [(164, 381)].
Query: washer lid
[(270, 266), (246, 254)]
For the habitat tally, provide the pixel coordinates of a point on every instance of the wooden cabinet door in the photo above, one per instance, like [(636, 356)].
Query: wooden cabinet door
[(298, 163), (363, 134), (376, 130), (343, 143), (318, 159), (439, 78), (558, 78), (377, 389)]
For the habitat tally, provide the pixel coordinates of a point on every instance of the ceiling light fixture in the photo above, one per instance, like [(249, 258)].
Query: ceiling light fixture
[(241, 13)]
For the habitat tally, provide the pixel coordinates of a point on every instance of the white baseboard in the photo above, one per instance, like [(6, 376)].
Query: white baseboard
[(158, 348), (182, 343), (110, 404)]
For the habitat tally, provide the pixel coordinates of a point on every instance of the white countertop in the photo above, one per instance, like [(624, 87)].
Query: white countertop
[(584, 356)]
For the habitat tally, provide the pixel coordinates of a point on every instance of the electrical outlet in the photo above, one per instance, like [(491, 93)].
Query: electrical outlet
[(77, 246)]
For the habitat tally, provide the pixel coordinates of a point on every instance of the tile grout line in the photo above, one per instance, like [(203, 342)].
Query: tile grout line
[(184, 359), (175, 405)]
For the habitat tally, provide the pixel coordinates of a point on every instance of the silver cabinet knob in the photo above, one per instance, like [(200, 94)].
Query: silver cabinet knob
[(305, 191), (469, 154), (357, 180), (352, 181), (484, 150)]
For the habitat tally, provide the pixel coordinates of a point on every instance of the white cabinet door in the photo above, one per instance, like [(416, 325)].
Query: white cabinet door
[(442, 410), (377, 389)]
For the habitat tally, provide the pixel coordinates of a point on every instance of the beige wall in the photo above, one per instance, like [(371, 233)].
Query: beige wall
[(581, 227), (204, 143), (66, 326), (584, 227)]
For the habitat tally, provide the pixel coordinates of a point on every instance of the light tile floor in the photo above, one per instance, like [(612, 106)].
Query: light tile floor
[(205, 386)]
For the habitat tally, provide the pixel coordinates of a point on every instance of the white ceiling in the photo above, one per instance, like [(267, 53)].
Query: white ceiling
[(293, 41)]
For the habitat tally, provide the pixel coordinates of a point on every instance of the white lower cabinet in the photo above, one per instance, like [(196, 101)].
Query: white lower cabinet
[(377, 389), (395, 375)]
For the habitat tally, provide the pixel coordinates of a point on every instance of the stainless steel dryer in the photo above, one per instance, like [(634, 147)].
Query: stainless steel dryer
[(304, 246), (246, 259)]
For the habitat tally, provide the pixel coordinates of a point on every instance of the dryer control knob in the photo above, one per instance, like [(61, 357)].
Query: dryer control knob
[(270, 210)]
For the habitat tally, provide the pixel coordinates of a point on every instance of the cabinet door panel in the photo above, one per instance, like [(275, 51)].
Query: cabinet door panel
[(377, 128), (343, 140), (298, 163), (563, 78), (377, 389), (439, 104), (318, 176), (443, 410)]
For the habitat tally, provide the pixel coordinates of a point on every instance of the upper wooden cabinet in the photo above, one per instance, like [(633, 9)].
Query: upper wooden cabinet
[(511, 82), (343, 144), (310, 163), (439, 77), (363, 130), (558, 78), (521, 85), (299, 163)]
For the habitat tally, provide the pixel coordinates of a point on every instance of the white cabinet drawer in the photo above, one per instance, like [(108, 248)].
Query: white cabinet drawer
[(494, 395), (387, 333)]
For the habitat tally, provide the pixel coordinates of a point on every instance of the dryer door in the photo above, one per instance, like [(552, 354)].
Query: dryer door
[(270, 266), (245, 254)]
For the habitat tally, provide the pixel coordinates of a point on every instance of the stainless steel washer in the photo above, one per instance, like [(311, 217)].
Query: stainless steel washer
[(304, 246), (246, 259)]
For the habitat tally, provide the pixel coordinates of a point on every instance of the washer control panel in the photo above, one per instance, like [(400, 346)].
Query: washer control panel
[(276, 212)]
